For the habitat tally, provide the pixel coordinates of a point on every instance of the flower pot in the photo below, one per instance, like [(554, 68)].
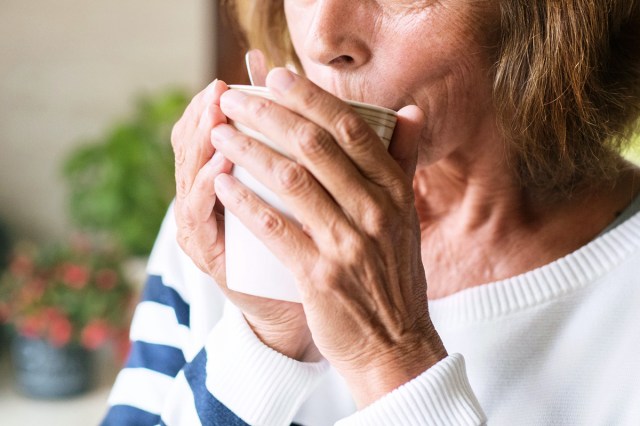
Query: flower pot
[(45, 371)]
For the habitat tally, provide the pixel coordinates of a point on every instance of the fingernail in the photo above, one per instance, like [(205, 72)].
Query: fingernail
[(280, 79), (222, 132), (232, 99)]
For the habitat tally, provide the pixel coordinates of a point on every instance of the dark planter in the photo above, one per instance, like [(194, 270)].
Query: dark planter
[(44, 371)]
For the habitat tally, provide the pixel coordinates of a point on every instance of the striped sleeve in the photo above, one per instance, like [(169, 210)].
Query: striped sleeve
[(208, 372), (160, 334), (159, 331), (234, 380)]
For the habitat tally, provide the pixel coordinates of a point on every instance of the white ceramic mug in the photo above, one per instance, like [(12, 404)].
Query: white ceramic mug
[(251, 268)]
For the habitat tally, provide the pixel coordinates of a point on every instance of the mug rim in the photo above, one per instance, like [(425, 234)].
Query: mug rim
[(264, 92)]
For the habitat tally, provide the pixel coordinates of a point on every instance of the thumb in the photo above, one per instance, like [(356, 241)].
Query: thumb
[(406, 138)]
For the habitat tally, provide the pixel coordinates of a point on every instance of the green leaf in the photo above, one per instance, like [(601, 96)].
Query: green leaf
[(123, 182)]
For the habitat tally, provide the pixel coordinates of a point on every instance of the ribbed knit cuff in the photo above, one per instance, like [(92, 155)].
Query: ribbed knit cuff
[(260, 385), (439, 396)]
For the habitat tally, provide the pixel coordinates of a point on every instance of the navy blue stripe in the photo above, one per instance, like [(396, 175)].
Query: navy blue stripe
[(124, 415), (161, 358), (156, 291), (211, 411)]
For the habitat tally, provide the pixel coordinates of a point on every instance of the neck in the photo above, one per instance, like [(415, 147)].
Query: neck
[(479, 225)]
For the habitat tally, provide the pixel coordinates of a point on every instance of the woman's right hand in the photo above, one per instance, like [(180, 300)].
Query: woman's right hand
[(200, 222)]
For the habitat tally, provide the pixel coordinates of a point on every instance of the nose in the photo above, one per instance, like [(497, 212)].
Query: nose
[(336, 37)]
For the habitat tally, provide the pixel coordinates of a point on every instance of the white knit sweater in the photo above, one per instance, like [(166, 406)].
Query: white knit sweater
[(557, 345)]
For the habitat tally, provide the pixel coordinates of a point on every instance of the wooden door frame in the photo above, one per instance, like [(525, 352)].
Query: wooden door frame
[(228, 61)]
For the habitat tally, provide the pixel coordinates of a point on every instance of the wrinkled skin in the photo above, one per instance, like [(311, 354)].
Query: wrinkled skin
[(358, 260), (360, 254)]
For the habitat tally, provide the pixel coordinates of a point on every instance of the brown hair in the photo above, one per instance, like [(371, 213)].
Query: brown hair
[(566, 87)]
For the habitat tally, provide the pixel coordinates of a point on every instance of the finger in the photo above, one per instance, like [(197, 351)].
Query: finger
[(289, 180), (183, 132), (207, 245), (194, 150), (311, 145), (211, 97), (404, 144), (192, 113), (202, 197), (190, 119), (350, 131), (284, 239)]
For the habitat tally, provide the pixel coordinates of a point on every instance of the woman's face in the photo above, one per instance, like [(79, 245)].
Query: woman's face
[(434, 54)]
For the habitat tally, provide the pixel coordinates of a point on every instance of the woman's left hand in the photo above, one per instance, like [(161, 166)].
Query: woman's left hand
[(357, 259)]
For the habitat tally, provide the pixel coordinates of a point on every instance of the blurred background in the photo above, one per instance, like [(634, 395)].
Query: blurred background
[(89, 92)]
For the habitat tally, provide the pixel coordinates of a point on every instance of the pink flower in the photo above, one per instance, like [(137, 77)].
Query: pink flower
[(75, 276), (106, 279), (95, 334), (59, 331), (52, 314)]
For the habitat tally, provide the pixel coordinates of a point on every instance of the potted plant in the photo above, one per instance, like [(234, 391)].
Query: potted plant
[(122, 182), (63, 302)]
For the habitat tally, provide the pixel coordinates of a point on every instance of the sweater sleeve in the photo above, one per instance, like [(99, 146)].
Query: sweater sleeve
[(261, 386), (158, 332), (234, 380), (439, 396), (230, 378)]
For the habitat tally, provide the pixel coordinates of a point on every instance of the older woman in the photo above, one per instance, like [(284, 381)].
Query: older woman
[(503, 182)]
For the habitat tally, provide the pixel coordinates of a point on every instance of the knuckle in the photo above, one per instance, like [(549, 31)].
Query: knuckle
[(241, 197), (270, 223), (292, 176), (182, 186), (176, 133), (244, 144), (261, 107), (377, 221), (179, 155), (188, 220), (351, 128), (183, 238), (311, 98), (177, 145), (351, 247), (312, 140)]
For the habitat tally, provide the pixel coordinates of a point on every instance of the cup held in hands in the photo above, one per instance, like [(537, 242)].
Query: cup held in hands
[(251, 267)]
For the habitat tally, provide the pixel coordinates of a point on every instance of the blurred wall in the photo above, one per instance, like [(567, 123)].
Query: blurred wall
[(67, 70)]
